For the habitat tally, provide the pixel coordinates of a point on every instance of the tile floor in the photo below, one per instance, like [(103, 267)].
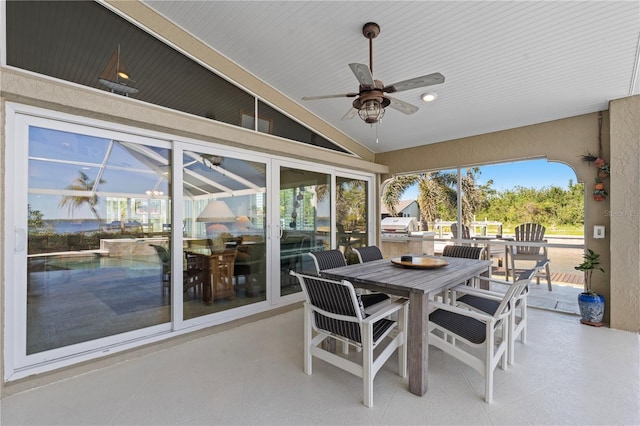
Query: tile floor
[(567, 373)]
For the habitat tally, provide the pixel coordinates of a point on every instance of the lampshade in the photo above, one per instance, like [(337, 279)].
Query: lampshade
[(217, 211), (243, 223), (372, 111), (216, 228)]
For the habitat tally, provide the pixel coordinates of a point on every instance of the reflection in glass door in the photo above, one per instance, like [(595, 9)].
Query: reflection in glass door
[(224, 255), (352, 201), (96, 206), (305, 222)]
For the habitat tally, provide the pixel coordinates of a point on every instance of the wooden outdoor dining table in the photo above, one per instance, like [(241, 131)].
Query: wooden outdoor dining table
[(416, 285)]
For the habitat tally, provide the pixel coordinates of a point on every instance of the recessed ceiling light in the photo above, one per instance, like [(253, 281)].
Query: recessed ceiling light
[(429, 97)]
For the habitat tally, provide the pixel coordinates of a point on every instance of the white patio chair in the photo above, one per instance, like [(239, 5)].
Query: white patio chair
[(332, 310), (465, 252), (368, 253), (488, 301), (328, 259), (458, 331)]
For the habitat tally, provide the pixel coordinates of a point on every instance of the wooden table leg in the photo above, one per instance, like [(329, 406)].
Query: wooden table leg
[(207, 291), (418, 345)]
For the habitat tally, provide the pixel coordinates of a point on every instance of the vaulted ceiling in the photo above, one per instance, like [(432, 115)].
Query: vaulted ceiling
[(506, 64)]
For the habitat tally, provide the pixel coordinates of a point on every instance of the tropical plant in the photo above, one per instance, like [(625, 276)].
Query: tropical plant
[(351, 206), (437, 195), (34, 218), (590, 262), (82, 184)]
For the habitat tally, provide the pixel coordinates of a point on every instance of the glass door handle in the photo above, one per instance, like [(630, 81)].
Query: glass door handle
[(21, 240)]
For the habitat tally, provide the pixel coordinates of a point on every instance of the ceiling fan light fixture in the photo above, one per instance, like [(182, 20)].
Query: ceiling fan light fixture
[(371, 112), (429, 97)]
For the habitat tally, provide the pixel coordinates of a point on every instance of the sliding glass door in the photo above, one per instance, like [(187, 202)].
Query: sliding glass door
[(114, 239), (224, 233), (95, 202), (352, 215), (305, 222)]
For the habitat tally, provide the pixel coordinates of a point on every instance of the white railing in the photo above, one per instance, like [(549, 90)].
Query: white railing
[(477, 227)]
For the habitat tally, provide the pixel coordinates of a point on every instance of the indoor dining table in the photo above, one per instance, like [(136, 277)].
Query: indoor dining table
[(418, 285)]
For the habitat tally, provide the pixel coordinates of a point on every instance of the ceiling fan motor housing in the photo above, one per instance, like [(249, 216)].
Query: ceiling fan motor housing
[(367, 94)]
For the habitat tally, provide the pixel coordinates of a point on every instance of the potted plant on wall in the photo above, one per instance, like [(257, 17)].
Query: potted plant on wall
[(591, 304)]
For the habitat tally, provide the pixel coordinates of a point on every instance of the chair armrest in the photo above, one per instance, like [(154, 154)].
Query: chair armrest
[(465, 312), (332, 315), (386, 310), (494, 281), (479, 292)]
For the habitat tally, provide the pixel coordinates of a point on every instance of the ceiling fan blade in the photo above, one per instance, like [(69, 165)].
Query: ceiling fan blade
[(343, 95), (402, 106), (350, 114), (414, 83), (363, 74)]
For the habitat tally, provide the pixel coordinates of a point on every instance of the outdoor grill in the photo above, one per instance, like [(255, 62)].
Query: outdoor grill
[(402, 226)]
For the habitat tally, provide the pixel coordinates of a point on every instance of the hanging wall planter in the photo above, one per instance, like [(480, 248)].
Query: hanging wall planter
[(599, 191)]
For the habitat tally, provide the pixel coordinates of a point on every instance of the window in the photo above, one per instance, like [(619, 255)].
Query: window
[(91, 35)]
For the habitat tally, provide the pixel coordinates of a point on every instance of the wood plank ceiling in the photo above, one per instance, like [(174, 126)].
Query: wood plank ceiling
[(507, 64)]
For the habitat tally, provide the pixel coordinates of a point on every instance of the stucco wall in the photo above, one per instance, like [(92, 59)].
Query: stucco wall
[(625, 213), (562, 141)]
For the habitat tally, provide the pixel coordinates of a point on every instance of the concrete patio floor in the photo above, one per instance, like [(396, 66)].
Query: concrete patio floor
[(564, 296)]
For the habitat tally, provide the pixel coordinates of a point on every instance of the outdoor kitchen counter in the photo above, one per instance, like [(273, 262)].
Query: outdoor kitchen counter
[(398, 243)]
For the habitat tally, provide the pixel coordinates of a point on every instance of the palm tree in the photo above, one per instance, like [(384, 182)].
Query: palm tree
[(473, 196), (394, 190), (82, 183), (351, 210), (437, 195)]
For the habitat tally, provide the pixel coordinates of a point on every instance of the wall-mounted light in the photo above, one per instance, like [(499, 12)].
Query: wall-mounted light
[(429, 97)]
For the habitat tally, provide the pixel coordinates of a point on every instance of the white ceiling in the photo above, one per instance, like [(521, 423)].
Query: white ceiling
[(507, 64)]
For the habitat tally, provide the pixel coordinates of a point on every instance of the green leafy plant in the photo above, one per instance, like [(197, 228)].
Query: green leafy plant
[(590, 262)]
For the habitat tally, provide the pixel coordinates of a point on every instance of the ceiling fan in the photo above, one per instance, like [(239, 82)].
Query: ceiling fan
[(371, 100)]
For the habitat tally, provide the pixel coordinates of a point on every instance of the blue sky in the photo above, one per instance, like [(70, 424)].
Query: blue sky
[(529, 174)]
